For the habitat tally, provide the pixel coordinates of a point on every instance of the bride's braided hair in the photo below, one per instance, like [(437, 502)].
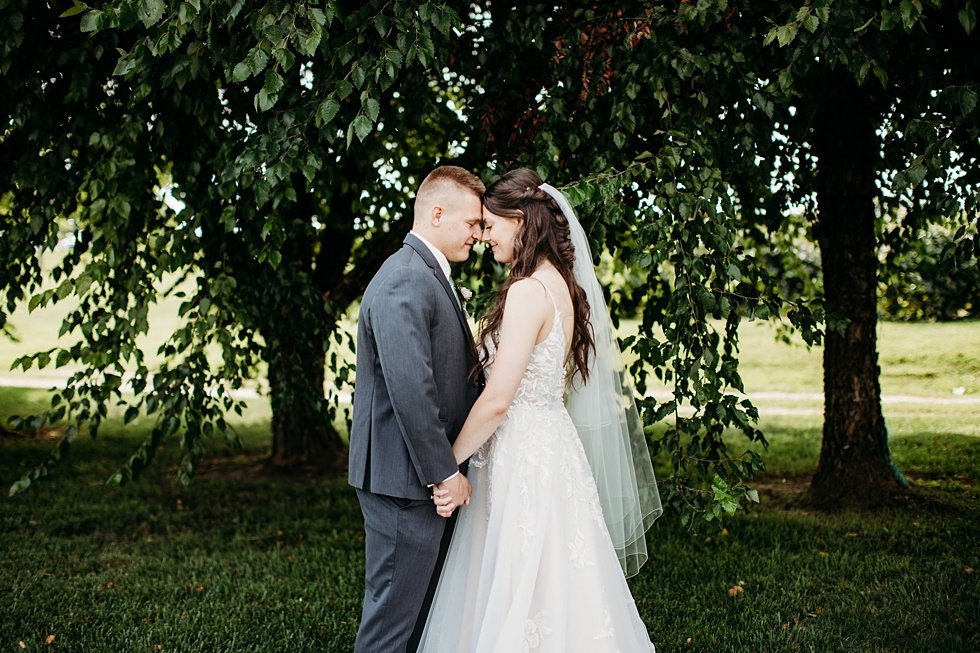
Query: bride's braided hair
[(543, 237)]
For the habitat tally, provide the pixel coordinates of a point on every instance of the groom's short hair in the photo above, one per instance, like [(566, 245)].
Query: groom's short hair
[(445, 176)]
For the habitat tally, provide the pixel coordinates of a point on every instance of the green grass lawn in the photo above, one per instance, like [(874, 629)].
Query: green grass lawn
[(247, 561)]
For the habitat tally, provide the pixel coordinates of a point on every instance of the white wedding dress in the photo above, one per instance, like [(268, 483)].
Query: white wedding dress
[(531, 566)]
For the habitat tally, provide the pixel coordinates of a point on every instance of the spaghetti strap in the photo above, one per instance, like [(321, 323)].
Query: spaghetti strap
[(554, 304)]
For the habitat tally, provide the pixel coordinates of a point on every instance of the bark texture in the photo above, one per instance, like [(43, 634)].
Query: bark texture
[(855, 464)]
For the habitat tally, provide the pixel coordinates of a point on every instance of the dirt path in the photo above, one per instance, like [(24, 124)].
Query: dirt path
[(761, 398)]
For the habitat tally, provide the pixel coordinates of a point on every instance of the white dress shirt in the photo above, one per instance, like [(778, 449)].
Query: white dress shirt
[(443, 264), (439, 256)]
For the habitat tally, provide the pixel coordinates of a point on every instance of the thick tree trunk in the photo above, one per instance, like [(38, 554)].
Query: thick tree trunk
[(855, 464), (302, 435)]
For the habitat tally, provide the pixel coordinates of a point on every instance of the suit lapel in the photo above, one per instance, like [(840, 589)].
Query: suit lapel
[(430, 260)]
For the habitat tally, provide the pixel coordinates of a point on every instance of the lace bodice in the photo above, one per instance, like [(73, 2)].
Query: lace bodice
[(543, 383)]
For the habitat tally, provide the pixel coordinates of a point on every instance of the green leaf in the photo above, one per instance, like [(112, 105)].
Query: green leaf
[(910, 13), (327, 111), (187, 12), (362, 127), (263, 101), (22, 484), (257, 60), (371, 108), (881, 74), (862, 72), (916, 173), (718, 486), (968, 100), (150, 12), (729, 504), (77, 9), (131, 413), (241, 72), (273, 82), (619, 139), (125, 66), (357, 75), (311, 42), (63, 358), (91, 21), (887, 20), (344, 88), (786, 34), (443, 21), (968, 19)]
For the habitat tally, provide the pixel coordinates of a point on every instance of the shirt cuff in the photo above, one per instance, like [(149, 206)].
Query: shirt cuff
[(446, 479)]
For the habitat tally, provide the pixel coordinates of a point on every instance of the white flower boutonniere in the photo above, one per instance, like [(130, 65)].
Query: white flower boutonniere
[(466, 294)]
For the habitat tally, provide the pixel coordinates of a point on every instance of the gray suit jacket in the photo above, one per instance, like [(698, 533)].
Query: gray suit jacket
[(412, 391)]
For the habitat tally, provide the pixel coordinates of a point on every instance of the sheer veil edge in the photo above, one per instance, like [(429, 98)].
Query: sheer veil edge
[(605, 414)]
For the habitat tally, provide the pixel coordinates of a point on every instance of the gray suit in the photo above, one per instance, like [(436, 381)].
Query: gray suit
[(412, 394)]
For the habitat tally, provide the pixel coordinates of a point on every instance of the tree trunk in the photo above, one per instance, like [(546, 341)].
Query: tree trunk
[(302, 435), (855, 464)]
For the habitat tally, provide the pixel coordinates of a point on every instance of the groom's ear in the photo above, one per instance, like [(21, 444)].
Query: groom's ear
[(436, 215)]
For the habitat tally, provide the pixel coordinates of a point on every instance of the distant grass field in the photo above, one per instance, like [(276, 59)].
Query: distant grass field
[(916, 358)]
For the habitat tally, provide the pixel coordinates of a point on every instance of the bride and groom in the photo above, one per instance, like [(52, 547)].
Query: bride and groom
[(507, 488)]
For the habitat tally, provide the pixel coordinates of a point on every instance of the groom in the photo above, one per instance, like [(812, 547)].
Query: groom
[(412, 394)]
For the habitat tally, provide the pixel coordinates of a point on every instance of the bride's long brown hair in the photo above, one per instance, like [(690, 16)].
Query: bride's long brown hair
[(544, 237)]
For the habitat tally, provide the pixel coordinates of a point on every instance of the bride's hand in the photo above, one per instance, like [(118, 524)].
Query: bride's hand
[(444, 502), (451, 494)]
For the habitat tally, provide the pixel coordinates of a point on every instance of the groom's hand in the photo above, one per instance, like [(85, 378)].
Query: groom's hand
[(451, 494)]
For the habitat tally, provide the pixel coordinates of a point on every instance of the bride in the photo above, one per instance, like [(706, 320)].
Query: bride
[(562, 493)]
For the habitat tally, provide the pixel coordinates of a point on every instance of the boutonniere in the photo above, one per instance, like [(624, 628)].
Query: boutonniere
[(466, 294)]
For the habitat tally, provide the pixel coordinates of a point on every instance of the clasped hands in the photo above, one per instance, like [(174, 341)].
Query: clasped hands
[(451, 494)]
